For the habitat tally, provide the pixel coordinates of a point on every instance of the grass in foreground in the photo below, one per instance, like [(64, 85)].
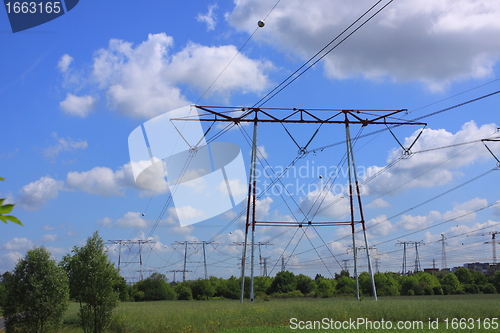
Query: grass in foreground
[(230, 316)]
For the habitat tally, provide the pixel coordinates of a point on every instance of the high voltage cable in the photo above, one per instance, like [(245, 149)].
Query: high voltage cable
[(441, 194), (378, 173), (383, 130), (285, 84), (413, 120), (434, 113), (442, 222), (237, 53), (247, 137), (400, 159)]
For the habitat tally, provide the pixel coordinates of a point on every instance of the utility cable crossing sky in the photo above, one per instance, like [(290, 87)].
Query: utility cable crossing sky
[(206, 158)]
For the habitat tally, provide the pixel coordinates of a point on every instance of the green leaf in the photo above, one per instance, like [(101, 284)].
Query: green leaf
[(1, 178), (13, 219), (3, 218), (5, 209)]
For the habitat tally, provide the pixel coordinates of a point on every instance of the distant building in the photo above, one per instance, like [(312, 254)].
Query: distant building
[(483, 267), (493, 269)]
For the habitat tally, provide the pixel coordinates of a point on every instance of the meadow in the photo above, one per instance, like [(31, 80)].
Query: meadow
[(229, 316)]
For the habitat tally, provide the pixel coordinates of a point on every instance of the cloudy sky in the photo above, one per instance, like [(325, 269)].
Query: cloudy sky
[(73, 89)]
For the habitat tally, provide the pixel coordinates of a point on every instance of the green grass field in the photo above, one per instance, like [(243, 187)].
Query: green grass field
[(230, 316)]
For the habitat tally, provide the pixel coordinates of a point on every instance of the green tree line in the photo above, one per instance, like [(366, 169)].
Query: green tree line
[(287, 284), (35, 295)]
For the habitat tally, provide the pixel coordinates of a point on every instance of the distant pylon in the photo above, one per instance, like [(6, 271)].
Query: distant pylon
[(377, 264), (346, 265), (130, 243), (418, 268), (443, 252), (403, 269)]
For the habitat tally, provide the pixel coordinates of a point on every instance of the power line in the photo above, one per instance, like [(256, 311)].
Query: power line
[(294, 76), (237, 53)]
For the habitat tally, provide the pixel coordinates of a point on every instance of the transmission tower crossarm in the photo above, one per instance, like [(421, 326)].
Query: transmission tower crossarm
[(294, 115)]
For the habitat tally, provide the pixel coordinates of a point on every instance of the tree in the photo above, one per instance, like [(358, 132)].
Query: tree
[(464, 275), (342, 273), (408, 282), (495, 280), (262, 284), (386, 284), (346, 285), (232, 288), (305, 284), (183, 291), (365, 284), (92, 281), (451, 284), (123, 289), (479, 278), (325, 287), (6, 209), (283, 282), (154, 288), (202, 289), (37, 294)]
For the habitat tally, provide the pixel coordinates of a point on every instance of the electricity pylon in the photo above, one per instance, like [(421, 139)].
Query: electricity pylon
[(443, 251), (303, 116)]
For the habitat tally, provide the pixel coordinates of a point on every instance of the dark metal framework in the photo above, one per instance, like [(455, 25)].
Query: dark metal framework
[(347, 117), (295, 115)]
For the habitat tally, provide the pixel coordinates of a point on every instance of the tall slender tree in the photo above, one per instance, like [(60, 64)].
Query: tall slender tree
[(92, 277)]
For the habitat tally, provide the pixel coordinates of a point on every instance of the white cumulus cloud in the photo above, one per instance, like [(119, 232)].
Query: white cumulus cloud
[(18, 244), (432, 41), (143, 80), (79, 106), (35, 194), (9, 260), (101, 180), (432, 168)]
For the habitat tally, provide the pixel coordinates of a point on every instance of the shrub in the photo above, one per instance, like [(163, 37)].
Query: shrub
[(438, 290), (324, 288), (471, 288), (154, 288), (290, 294), (346, 285), (183, 292), (489, 288), (202, 289)]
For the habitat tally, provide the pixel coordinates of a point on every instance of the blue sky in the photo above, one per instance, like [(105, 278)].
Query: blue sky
[(73, 89)]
